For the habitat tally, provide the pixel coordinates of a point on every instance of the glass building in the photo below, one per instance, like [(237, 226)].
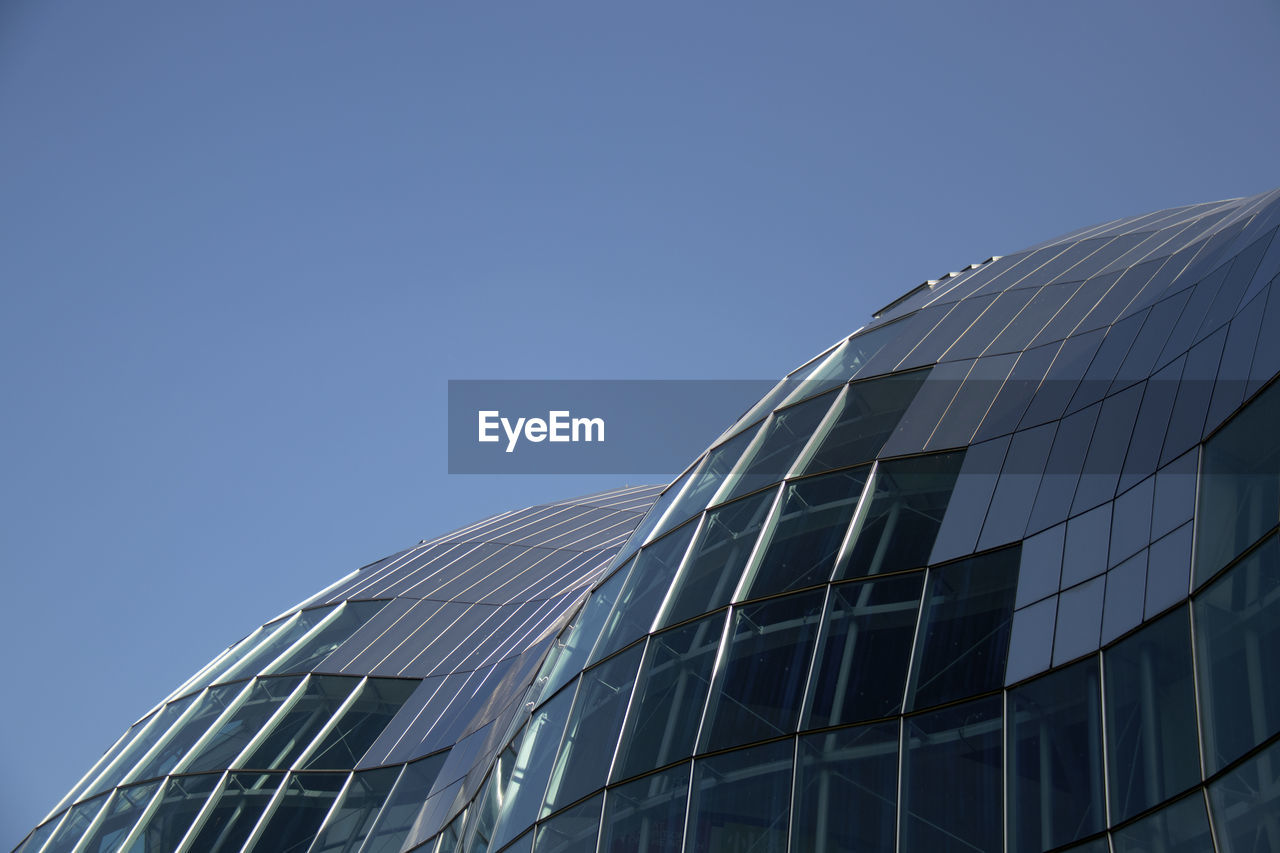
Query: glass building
[(999, 572)]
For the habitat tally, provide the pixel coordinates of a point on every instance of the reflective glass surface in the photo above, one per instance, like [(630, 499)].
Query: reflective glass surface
[(740, 800)]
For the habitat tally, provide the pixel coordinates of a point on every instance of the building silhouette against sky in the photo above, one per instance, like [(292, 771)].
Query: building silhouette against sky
[(998, 572)]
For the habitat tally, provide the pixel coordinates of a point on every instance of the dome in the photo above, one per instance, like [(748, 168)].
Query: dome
[(998, 572)]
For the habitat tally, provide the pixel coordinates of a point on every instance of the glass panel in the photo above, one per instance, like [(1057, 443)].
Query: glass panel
[(221, 746), (1031, 640), (740, 800), (571, 831), (651, 518), (1131, 522), (1239, 485), (760, 691), (670, 694), (348, 620), (1237, 622), (180, 802), (1126, 591), (1168, 570), (869, 412), (583, 760), (847, 790), (73, 826), (121, 744), (903, 513), (866, 646), (346, 743), (1180, 828), (642, 594), (404, 805), (1087, 543), (1245, 803), (573, 647), (1079, 620), (1040, 571), (1055, 759), (238, 806), (297, 726), (523, 795), (964, 629), (647, 815), (306, 800), (289, 632), (185, 733), (961, 745), (1175, 496), (1151, 724), (807, 533), (719, 462), (718, 558), (786, 434), (346, 828), (139, 746), (124, 810)]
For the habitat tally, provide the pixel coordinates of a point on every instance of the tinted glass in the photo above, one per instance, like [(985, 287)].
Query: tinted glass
[(180, 802), (239, 804), (670, 693), (572, 831), (846, 790), (522, 798), (740, 800), (1055, 759), (1245, 803), (346, 828), (960, 744), (903, 513), (802, 547), (647, 815), (866, 646), (1152, 752), (118, 818), (964, 628), (762, 685), (786, 434), (224, 743), (1179, 828), (868, 413), (359, 726), (297, 815)]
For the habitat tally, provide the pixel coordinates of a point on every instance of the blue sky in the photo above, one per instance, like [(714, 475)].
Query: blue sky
[(245, 246)]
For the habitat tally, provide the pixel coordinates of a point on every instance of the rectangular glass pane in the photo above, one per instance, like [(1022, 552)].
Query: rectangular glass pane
[(180, 802), (961, 745), (238, 806), (1245, 803), (126, 806), (786, 434), (1180, 828), (404, 805), (868, 414), (865, 649), (145, 739), (571, 831), (647, 815), (342, 748), (222, 745), (187, 732), (347, 827), (740, 800), (759, 692), (308, 655), (306, 799), (846, 790)]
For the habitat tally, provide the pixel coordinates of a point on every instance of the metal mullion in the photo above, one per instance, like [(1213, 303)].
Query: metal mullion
[(264, 731), (225, 675), (678, 576), (267, 813), (232, 707), (210, 803), (333, 807), (147, 813), (819, 639), (767, 530), (626, 717), (819, 434), (856, 520), (743, 462), (306, 637), (716, 672), (80, 786), (332, 723), (95, 823), (160, 742), (1106, 760), (377, 818)]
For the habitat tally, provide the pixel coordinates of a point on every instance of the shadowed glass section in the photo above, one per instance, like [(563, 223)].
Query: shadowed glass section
[(904, 511), (221, 746), (865, 648), (647, 815), (846, 790), (572, 831), (1239, 485), (306, 799), (1179, 828), (583, 760), (180, 802), (964, 629), (740, 800), (1245, 803), (786, 434), (238, 806), (643, 592), (1237, 621), (718, 558), (294, 729), (1055, 786), (347, 827), (867, 416), (960, 745), (1151, 724), (802, 547), (670, 692), (404, 805), (758, 695), (126, 806)]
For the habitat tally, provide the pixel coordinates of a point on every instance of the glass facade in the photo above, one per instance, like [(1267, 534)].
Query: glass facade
[(999, 572)]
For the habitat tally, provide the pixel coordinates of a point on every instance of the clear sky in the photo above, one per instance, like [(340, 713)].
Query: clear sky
[(244, 245)]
